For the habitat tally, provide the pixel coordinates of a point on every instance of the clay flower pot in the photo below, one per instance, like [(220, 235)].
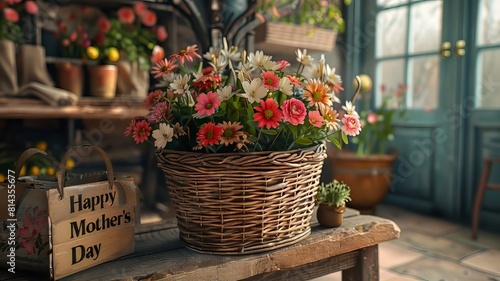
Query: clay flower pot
[(70, 77), (330, 216), (103, 79)]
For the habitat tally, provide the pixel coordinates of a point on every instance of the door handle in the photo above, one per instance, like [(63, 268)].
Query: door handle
[(460, 48), (446, 49)]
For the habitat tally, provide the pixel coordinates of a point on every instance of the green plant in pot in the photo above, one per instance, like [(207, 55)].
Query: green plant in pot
[(332, 198)]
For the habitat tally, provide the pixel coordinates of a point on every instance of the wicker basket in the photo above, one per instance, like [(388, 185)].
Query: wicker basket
[(243, 203)]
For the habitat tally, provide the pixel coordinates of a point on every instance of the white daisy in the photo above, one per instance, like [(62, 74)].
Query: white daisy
[(219, 63), (259, 60), (180, 84), (254, 91), (225, 93), (163, 135), (231, 53), (350, 109), (285, 86), (331, 76), (304, 58)]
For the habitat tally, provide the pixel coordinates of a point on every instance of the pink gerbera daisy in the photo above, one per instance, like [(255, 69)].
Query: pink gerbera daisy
[(270, 80), (351, 126), (209, 134), (161, 33), (268, 114), (141, 132), (206, 104), (153, 97), (126, 15), (187, 54), (315, 118), (163, 68)]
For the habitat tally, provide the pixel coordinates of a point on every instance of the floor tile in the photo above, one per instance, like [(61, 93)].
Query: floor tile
[(487, 240), (487, 261), (392, 254), (337, 276), (431, 269), (404, 219), (435, 246)]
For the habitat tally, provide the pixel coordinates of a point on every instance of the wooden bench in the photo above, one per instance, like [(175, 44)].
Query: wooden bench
[(351, 248)]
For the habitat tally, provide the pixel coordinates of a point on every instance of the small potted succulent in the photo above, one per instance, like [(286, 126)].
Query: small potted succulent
[(332, 198)]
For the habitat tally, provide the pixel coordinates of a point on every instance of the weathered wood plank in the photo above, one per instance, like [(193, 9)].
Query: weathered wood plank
[(366, 269), (357, 232)]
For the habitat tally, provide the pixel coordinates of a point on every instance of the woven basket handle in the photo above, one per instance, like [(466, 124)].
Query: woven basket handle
[(61, 173), (27, 154)]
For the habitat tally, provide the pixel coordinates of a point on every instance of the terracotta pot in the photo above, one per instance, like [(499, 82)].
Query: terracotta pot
[(70, 77), (330, 216), (369, 177), (103, 79)]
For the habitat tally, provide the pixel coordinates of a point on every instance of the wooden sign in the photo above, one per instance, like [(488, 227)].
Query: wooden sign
[(87, 223)]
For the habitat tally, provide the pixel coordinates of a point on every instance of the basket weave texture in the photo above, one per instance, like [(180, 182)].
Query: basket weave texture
[(241, 203)]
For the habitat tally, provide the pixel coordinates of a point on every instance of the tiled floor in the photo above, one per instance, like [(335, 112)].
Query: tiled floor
[(432, 249)]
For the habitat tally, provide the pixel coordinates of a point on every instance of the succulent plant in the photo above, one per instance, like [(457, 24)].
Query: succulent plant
[(334, 193)]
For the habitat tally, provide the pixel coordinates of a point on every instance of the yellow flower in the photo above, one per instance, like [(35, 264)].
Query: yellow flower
[(70, 164), (35, 171), (2, 177), (51, 171), (22, 173), (113, 54), (92, 52), (42, 145)]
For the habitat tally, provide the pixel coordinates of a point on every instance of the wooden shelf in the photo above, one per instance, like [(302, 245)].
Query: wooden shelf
[(87, 108)]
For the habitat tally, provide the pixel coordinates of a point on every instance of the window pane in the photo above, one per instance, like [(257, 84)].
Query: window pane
[(423, 89), (390, 75), (391, 32), (425, 26), (488, 22), (487, 81), (388, 3)]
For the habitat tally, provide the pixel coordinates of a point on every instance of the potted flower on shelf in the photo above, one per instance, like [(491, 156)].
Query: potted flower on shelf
[(73, 35), (102, 54), (332, 198), (11, 34), (241, 144), (134, 32), (368, 170), (311, 24)]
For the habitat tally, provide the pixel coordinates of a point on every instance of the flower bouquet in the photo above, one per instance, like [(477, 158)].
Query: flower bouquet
[(241, 143)]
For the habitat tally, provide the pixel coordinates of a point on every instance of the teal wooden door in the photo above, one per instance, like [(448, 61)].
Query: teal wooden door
[(433, 49)]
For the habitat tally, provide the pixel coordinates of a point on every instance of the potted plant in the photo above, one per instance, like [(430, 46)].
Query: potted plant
[(134, 32), (332, 198), (368, 170), (241, 144), (311, 24)]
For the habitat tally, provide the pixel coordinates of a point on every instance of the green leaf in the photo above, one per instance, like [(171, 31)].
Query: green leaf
[(303, 141), (344, 138), (220, 113), (335, 141), (292, 129), (269, 132)]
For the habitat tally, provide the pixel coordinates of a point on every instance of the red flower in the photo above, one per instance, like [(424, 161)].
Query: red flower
[(104, 25), (31, 7), (270, 80), (153, 98), (157, 54), (140, 8), (149, 18), (207, 103), (161, 33), (27, 239), (141, 131), (268, 114), (11, 15), (126, 15), (209, 134)]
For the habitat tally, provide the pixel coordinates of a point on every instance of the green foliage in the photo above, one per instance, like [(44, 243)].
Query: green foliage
[(316, 13), (334, 193)]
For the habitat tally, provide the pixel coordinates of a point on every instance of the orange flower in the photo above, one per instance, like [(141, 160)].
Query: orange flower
[(126, 15), (318, 94), (148, 18)]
